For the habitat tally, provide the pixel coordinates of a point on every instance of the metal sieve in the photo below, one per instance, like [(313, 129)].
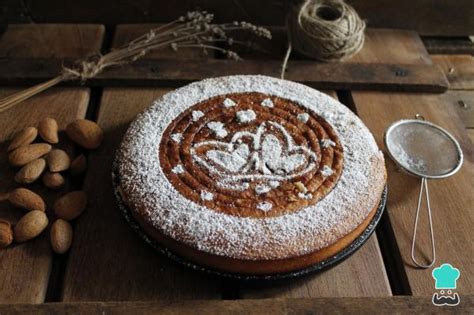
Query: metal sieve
[(425, 150)]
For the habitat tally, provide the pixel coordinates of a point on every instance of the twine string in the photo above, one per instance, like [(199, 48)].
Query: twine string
[(325, 30)]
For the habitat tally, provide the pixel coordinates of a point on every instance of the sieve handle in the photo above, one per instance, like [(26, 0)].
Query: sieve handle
[(423, 187)]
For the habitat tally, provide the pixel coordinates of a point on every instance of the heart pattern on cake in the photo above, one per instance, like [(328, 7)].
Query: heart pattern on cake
[(268, 154)]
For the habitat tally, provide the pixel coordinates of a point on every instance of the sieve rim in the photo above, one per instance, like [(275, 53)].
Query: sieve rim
[(442, 130)]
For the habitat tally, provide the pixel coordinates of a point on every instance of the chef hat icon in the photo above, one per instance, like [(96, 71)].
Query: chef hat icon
[(445, 276)]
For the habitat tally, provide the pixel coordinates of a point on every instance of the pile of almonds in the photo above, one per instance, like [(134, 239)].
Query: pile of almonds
[(36, 160)]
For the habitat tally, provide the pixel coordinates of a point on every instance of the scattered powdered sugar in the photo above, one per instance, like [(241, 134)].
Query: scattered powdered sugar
[(197, 114), (265, 206), (267, 103), (326, 143), (262, 189), (303, 117), (292, 234), (218, 128), (178, 169), (206, 195), (274, 183), (176, 137), (326, 171), (305, 196), (229, 103), (245, 116)]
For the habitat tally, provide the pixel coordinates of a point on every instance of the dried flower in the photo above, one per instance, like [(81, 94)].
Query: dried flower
[(195, 29)]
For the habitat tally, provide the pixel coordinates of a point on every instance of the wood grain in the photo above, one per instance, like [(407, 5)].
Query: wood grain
[(108, 261), (463, 102), (459, 70), (160, 72), (451, 198), (51, 40), (391, 305), (25, 268), (365, 269)]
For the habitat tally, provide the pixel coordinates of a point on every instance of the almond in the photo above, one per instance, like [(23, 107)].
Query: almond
[(79, 165), (22, 138), (86, 133), (58, 160), (25, 198), (48, 130), (26, 154), (71, 205), (30, 225), (53, 180), (6, 234), (61, 236), (30, 172)]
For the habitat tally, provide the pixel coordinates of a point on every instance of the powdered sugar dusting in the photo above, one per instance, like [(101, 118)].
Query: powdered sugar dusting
[(218, 128), (176, 137), (326, 143), (178, 169), (326, 171), (297, 233), (206, 195), (303, 117), (267, 103), (264, 206), (245, 116), (229, 103), (197, 114)]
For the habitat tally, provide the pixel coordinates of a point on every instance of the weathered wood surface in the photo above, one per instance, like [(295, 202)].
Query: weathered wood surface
[(449, 45), (443, 17), (108, 261), (392, 305), (459, 70), (159, 72), (365, 269), (450, 198), (25, 268), (463, 102), (51, 40)]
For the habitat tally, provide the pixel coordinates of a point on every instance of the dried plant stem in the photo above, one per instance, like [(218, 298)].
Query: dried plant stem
[(23, 95), (192, 30)]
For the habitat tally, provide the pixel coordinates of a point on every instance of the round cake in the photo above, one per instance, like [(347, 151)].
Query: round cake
[(250, 174)]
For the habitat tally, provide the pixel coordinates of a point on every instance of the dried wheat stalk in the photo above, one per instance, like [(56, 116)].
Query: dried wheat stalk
[(195, 29)]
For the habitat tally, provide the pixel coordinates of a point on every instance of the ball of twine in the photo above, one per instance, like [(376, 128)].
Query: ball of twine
[(326, 30)]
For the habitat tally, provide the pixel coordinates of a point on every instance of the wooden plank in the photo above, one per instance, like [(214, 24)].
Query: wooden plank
[(451, 198), (51, 40), (449, 45), (459, 70), (25, 268), (394, 46), (108, 261), (463, 102), (156, 72), (124, 33), (365, 269), (392, 305), (443, 17)]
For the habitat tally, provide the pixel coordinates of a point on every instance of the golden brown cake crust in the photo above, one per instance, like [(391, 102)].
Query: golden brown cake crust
[(198, 173)]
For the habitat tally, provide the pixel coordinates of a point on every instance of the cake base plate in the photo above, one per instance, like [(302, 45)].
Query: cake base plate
[(325, 264)]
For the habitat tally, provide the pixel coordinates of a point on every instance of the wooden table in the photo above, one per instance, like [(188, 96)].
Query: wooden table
[(112, 270)]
